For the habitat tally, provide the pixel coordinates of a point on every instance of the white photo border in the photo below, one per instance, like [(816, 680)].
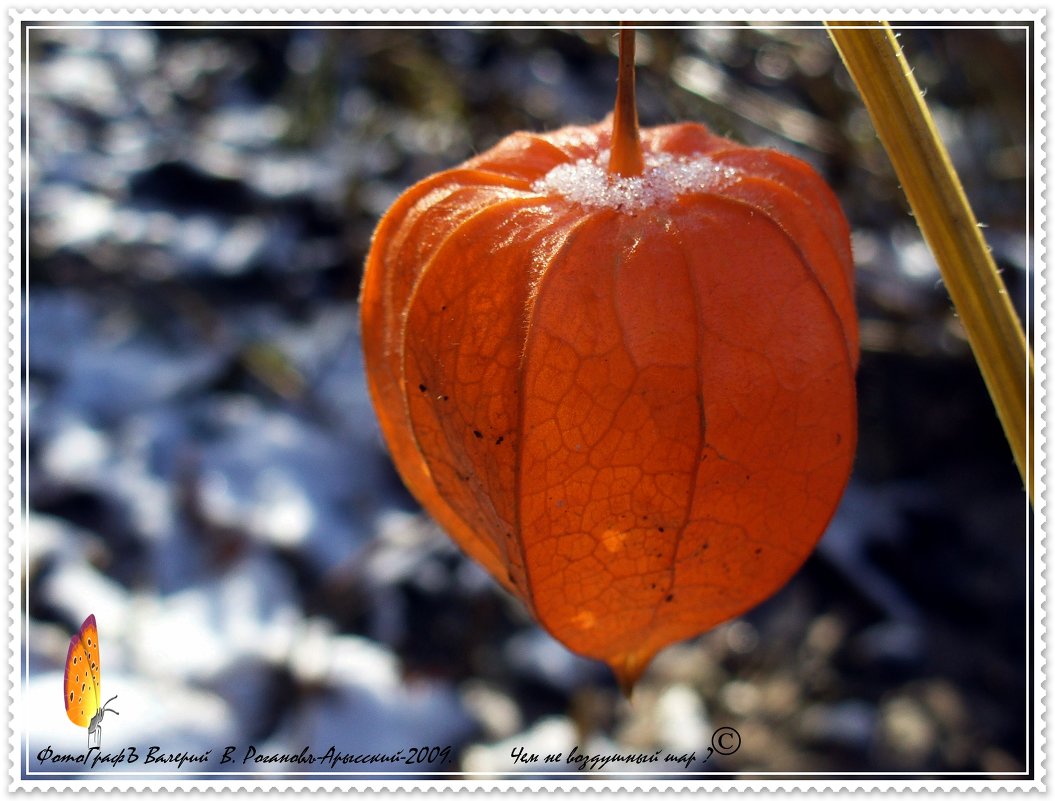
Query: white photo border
[(15, 339)]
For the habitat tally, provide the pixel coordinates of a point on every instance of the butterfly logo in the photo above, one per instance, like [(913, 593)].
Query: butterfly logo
[(81, 685)]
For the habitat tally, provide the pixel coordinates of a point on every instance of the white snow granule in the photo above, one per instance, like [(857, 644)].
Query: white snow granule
[(588, 182)]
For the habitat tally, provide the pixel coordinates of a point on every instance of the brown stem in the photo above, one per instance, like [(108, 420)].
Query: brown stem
[(626, 157)]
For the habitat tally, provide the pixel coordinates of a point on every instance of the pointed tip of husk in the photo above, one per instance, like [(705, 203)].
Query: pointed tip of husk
[(626, 685), (629, 668)]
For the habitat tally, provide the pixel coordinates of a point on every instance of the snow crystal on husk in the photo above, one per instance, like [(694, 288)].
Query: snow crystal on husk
[(588, 182)]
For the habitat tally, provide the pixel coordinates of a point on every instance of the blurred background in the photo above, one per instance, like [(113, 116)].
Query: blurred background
[(205, 473)]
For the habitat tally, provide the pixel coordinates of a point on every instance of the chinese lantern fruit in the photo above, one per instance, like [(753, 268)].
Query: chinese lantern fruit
[(623, 383)]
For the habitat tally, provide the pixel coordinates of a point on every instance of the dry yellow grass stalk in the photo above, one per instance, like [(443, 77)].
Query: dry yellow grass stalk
[(905, 127)]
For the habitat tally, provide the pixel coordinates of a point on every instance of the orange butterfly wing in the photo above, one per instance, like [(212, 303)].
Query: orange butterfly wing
[(80, 685)]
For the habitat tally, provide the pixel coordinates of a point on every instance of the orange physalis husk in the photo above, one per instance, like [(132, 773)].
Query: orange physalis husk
[(628, 395)]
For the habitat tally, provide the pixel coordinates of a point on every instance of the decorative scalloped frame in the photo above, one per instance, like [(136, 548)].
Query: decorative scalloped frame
[(13, 339)]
